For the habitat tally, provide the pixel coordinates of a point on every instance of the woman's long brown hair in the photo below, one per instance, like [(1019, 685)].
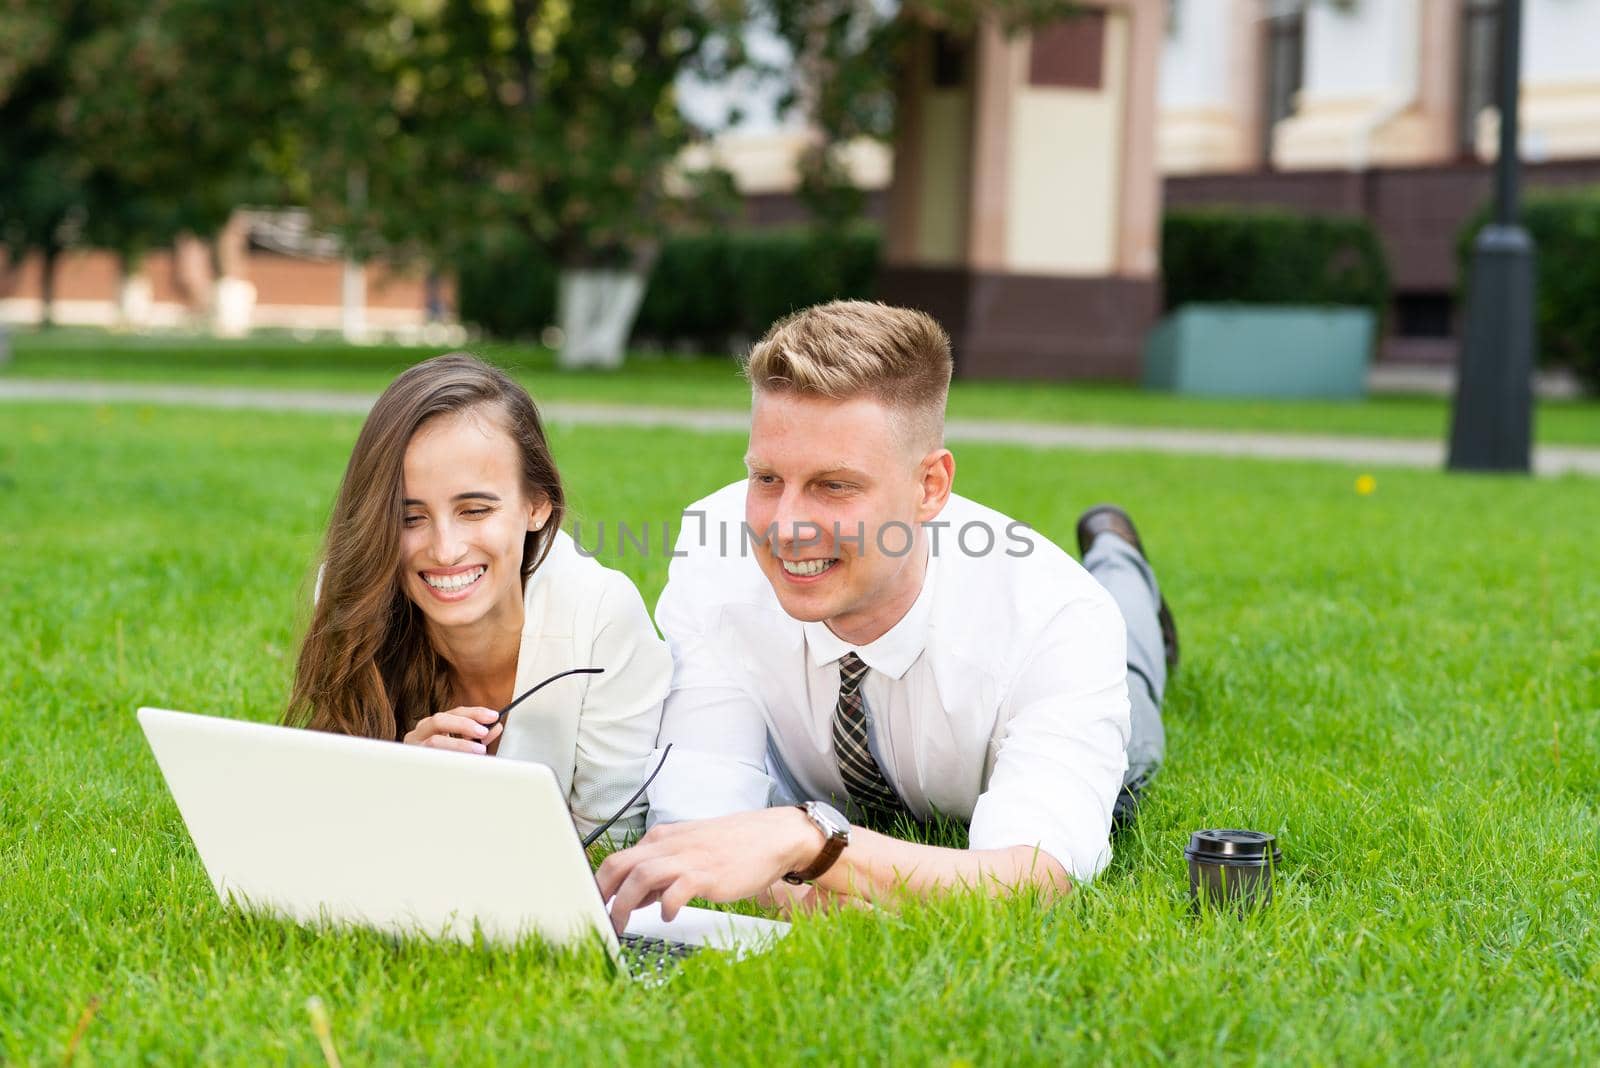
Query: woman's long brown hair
[(367, 667)]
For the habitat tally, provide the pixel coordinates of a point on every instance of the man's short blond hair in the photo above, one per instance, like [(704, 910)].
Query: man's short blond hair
[(845, 349)]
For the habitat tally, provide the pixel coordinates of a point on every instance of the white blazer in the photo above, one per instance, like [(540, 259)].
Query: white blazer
[(596, 731)]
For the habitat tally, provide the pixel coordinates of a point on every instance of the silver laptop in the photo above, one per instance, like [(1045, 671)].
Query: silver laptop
[(322, 827)]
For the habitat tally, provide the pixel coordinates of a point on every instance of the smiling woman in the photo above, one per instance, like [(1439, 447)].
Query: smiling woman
[(447, 586)]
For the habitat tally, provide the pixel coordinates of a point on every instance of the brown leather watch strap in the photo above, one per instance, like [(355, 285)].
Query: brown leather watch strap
[(832, 846)]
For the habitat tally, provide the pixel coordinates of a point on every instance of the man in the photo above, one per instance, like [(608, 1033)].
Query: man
[(849, 634)]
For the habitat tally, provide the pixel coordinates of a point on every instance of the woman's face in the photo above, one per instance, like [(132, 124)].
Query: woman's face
[(466, 518)]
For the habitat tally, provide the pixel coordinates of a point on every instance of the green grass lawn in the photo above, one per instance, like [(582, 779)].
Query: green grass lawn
[(1405, 687), (706, 382)]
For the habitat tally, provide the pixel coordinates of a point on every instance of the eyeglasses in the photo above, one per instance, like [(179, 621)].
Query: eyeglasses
[(593, 836), (536, 687)]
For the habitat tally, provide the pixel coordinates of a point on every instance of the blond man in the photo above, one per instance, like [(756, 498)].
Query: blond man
[(858, 649)]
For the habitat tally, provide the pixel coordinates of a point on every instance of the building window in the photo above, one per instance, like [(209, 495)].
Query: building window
[(951, 54), (1424, 315), (1284, 68), (1069, 54), (1480, 69)]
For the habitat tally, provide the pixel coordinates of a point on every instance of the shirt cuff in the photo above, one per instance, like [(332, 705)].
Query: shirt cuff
[(1082, 856), (696, 785)]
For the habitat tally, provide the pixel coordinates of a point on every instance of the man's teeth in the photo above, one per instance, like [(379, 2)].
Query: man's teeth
[(449, 583), (807, 567)]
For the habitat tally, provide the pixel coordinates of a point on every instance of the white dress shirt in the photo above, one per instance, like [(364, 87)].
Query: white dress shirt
[(596, 731), (1000, 699)]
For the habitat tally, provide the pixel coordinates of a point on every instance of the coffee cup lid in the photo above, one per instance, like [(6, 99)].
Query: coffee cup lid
[(1234, 846)]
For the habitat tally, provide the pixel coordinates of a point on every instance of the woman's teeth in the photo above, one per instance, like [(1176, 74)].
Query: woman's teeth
[(451, 583), (807, 567)]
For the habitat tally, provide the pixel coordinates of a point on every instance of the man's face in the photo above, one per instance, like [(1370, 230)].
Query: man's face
[(837, 492)]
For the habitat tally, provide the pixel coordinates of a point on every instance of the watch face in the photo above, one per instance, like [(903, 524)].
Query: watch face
[(825, 813)]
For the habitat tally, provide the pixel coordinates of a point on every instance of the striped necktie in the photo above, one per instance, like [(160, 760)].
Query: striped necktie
[(863, 779)]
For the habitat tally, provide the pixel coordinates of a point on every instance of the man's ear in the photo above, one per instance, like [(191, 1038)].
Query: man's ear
[(938, 474)]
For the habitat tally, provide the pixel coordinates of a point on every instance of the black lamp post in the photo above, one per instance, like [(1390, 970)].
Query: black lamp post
[(1493, 421)]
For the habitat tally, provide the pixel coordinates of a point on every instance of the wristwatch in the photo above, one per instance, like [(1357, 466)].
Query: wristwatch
[(836, 834)]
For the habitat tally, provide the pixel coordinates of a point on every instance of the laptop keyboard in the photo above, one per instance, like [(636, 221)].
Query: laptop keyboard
[(647, 949)]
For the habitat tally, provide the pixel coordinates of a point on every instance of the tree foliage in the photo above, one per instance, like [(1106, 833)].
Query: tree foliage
[(40, 183), (846, 55), (173, 106), (125, 123), (434, 126), (430, 127)]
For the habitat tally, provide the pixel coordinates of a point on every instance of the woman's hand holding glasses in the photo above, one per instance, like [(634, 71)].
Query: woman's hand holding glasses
[(465, 729), (470, 729)]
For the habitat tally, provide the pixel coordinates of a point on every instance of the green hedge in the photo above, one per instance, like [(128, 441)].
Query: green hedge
[(709, 287), (1271, 257), (706, 287), (507, 290), (1565, 226)]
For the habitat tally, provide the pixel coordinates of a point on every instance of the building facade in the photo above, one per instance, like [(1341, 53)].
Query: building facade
[(1024, 210), (1021, 202), (1378, 108), (1357, 84), (267, 269)]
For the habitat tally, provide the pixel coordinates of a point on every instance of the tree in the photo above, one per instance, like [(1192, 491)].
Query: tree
[(845, 55), (172, 107), (40, 190), (439, 127), (124, 123)]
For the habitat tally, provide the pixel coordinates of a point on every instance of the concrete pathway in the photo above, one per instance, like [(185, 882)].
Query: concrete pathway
[(1365, 451), (1439, 381)]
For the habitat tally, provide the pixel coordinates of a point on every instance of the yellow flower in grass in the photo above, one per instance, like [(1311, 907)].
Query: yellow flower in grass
[(1365, 485)]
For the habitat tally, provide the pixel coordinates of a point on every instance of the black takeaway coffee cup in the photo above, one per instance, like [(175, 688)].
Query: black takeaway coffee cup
[(1232, 867)]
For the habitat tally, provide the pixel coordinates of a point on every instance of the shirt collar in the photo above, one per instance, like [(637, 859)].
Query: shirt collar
[(896, 649)]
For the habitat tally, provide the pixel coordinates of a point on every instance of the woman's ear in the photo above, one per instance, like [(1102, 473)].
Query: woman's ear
[(539, 514)]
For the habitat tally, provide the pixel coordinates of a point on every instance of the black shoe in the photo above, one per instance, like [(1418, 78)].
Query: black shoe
[(1126, 808), (1109, 519)]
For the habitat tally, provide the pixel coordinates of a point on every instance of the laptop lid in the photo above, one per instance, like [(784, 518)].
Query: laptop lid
[(324, 827)]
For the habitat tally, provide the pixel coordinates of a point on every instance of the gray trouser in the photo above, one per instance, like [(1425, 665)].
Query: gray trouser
[(1118, 567)]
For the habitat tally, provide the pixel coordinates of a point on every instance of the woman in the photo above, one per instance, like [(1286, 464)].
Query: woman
[(448, 587)]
